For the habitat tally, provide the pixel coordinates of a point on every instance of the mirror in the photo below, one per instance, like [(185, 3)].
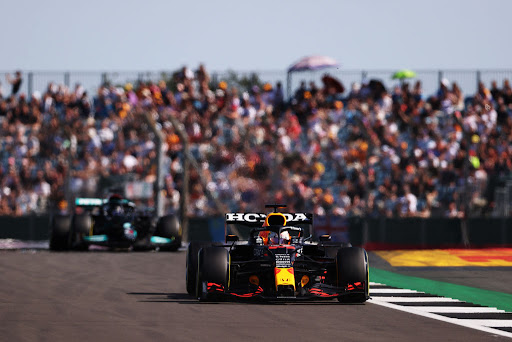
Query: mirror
[(231, 238), (325, 237)]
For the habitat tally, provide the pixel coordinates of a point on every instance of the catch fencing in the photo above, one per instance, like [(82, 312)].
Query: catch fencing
[(37, 81)]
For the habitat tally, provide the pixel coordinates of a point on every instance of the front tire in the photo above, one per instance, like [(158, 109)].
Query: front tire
[(191, 265), (352, 267), (168, 226), (213, 268)]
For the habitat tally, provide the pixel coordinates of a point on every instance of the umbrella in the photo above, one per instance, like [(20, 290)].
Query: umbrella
[(331, 82), (403, 74), (313, 63), (377, 88)]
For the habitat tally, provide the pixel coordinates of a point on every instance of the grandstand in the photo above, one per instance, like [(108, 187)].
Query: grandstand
[(395, 151)]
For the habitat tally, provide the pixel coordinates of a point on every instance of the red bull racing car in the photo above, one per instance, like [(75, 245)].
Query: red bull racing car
[(277, 262)]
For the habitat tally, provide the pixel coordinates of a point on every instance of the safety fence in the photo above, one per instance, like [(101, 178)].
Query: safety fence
[(383, 233), (37, 81)]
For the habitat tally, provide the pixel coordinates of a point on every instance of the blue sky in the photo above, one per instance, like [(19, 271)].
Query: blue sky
[(253, 35)]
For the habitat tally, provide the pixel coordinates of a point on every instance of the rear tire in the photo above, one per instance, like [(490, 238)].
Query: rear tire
[(168, 226), (60, 232), (352, 267), (213, 268), (81, 225), (191, 265)]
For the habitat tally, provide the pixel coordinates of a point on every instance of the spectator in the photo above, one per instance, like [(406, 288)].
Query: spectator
[(15, 82), (396, 154)]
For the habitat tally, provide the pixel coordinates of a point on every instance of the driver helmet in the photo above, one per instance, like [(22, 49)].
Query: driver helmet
[(115, 206), (285, 238), (116, 210)]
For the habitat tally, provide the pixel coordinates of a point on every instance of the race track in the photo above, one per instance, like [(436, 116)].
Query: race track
[(122, 296)]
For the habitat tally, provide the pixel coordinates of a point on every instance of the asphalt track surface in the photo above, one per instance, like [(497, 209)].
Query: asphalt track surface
[(123, 296)]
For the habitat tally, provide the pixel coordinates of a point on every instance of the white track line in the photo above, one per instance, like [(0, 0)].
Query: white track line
[(373, 291), (415, 299), (456, 309), (492, 323), (469, 323), (375, 284)]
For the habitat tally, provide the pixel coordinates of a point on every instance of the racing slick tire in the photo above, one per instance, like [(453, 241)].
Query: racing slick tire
[(352, 267), (192, 263), (168, 226), (331, 250), (80, 225), (60, 232), (213, 267)]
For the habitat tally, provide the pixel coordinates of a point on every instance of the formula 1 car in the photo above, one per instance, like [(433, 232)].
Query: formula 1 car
[(115, 223), (277, 262)]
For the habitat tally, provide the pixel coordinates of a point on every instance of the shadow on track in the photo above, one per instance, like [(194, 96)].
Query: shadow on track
[(184, 298)]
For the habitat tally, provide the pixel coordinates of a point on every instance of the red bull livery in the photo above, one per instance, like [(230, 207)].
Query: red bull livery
[(277, 262)]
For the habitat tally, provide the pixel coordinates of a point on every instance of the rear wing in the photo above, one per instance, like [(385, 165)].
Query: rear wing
[(98, 202), (258, 219), (90, 202)]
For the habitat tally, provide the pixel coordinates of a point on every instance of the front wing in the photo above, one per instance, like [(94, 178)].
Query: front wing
[(317, 291), (149, 243)]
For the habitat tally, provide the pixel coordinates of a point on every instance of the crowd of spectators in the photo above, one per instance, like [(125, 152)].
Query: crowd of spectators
[(368, 151)]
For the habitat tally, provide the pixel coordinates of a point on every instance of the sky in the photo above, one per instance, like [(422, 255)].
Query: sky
[(114, 35)]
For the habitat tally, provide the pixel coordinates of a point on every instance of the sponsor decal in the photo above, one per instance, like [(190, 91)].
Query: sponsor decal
[(241, 217), (283, 260), (297, 217), (260, 217), (284, 276)]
